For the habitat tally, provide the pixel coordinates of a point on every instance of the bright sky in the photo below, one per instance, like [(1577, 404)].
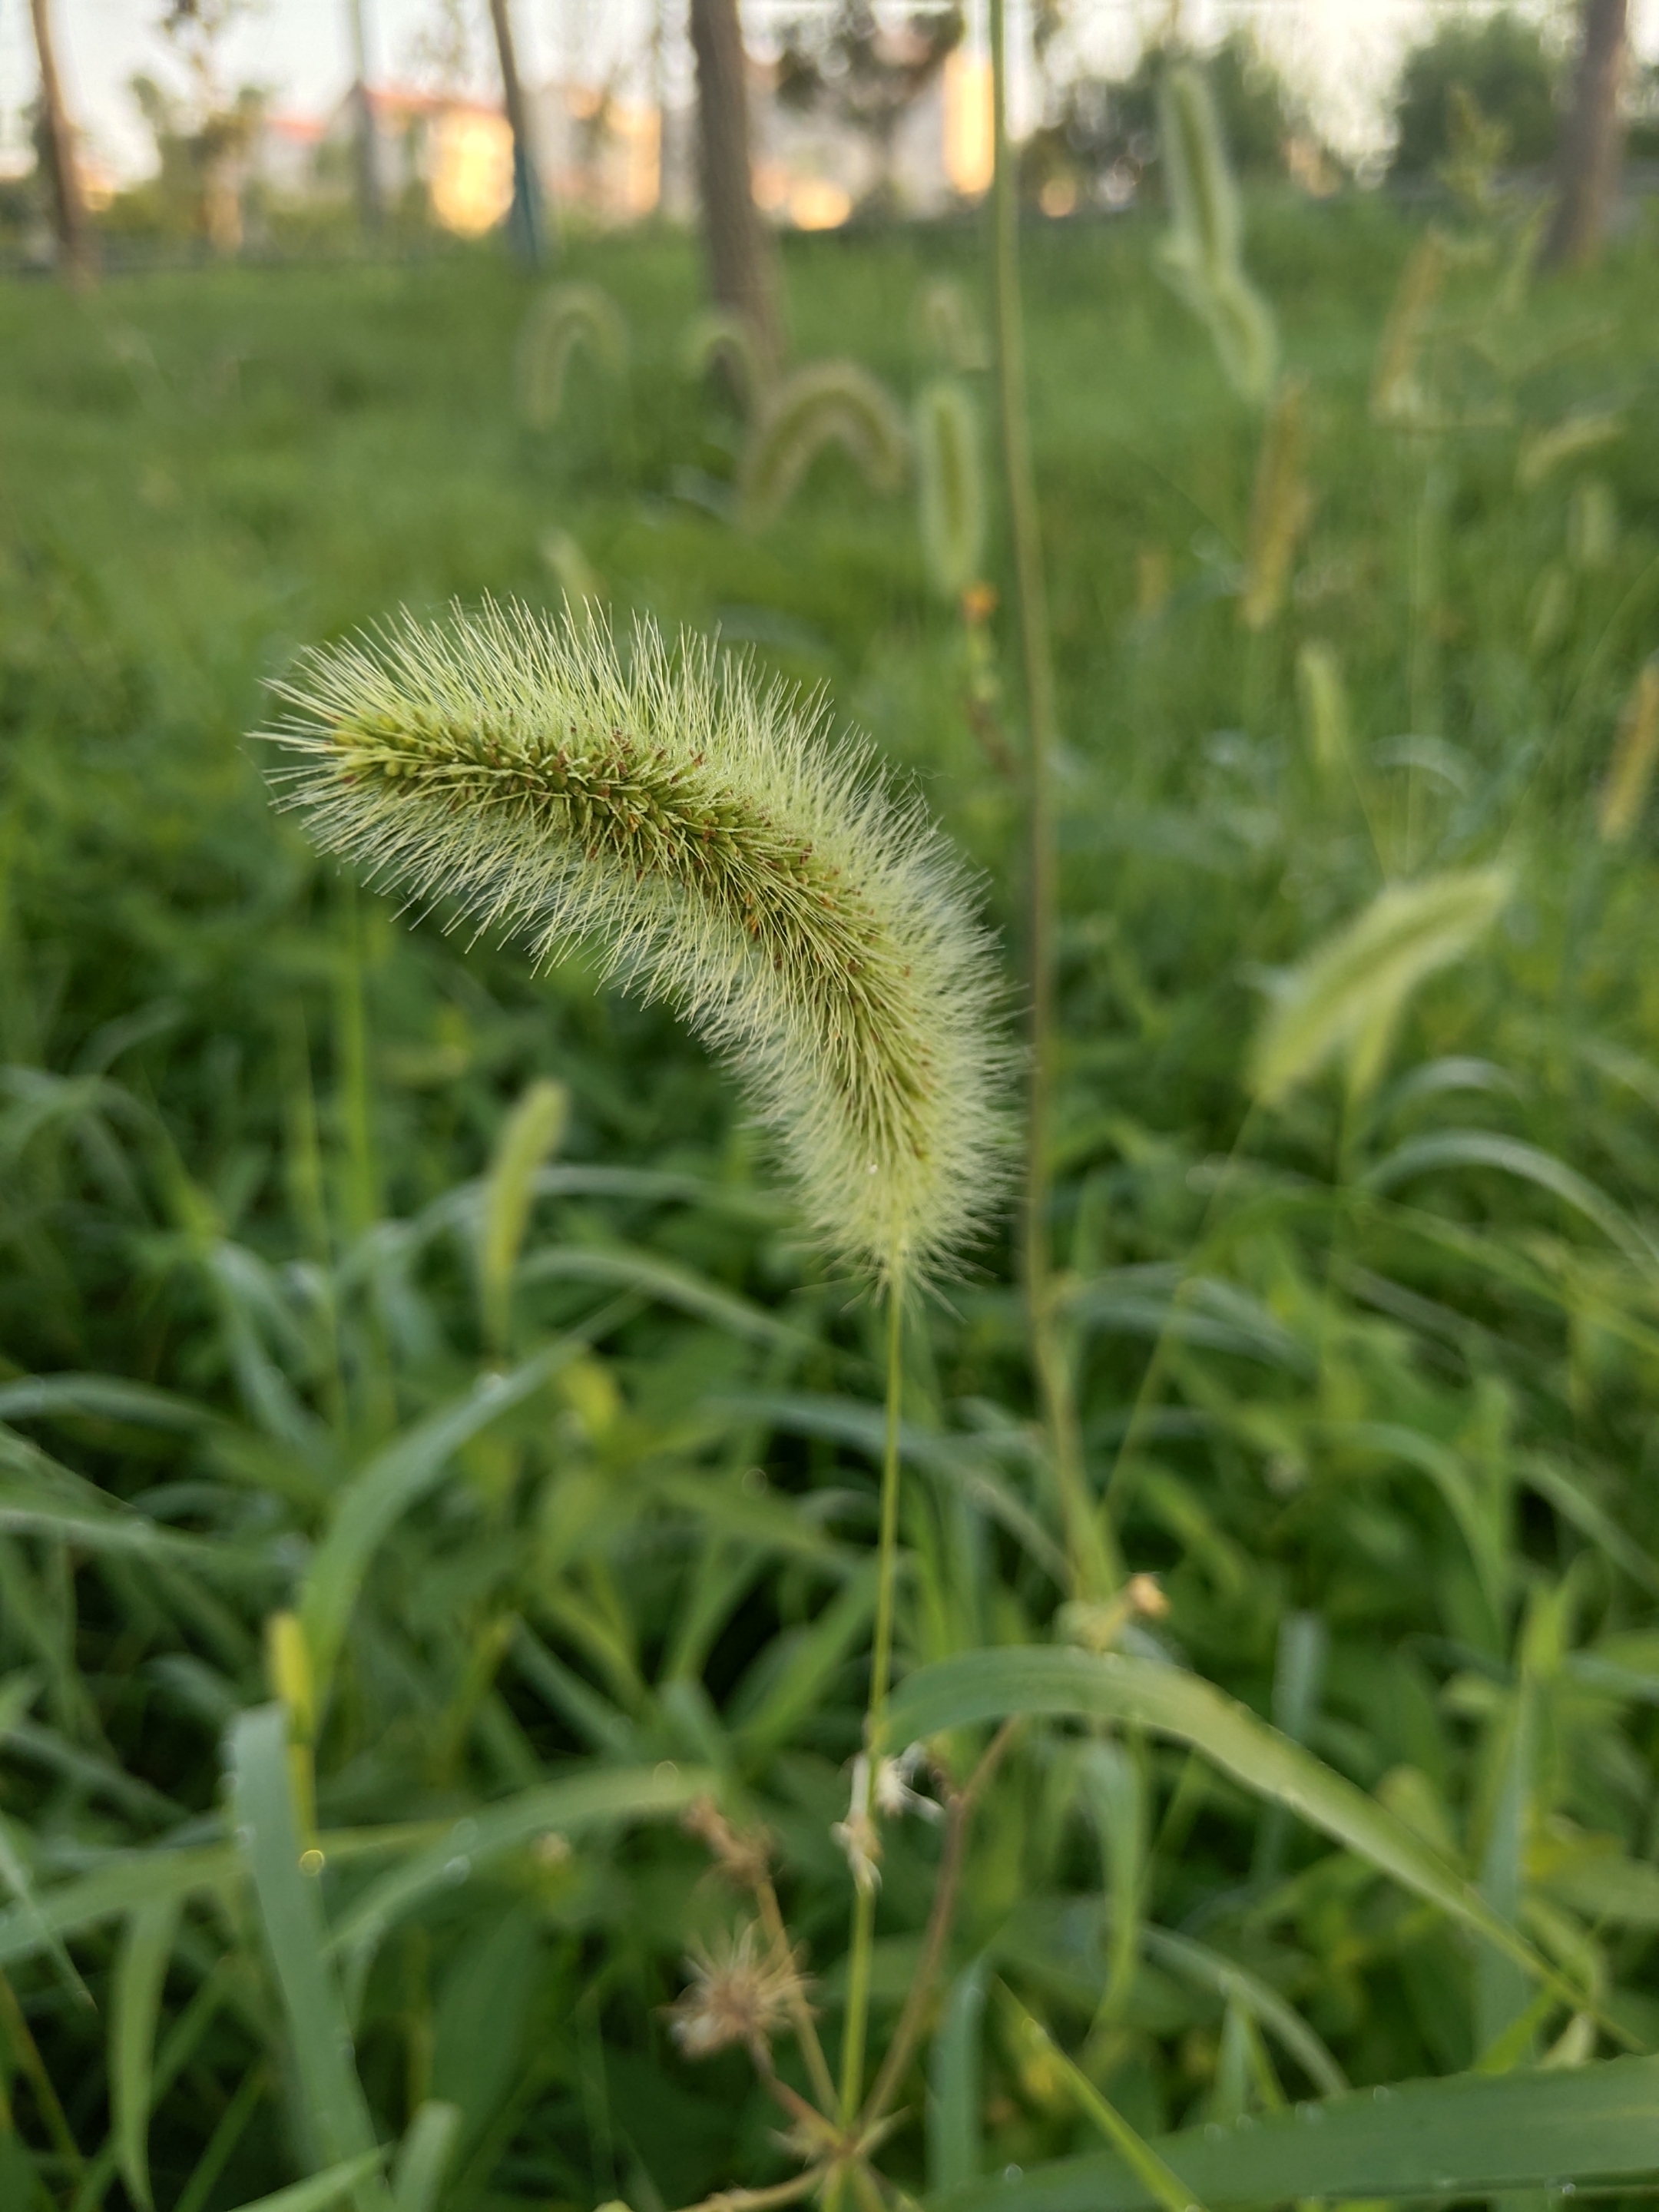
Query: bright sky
[(1342, 51)]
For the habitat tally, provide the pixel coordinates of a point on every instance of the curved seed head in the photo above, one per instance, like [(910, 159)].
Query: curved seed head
[(705, 833), (717, 335), (562, 320), (952, 485), (828, 401)]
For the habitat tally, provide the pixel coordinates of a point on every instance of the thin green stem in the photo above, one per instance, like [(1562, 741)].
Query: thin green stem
[(881, 1650), (1089, 1550), (856, 2028)]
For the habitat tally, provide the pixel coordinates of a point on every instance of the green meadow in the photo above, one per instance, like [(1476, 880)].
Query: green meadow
[(566, 1455)]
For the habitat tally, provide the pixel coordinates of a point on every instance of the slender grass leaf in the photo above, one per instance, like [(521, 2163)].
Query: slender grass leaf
[(1196, 1962), (532, 1131), (994, 1685), (1466, 2136), (954, 2068), (395, 1480), (1194, 1309), (323, 2190), (130, 1881), (564, 1809), (15, 1874), (622, 1269), (1164, 2187), (960, 1459), (1347, 996), (422, 2155), (1576, 1506), (296, 1940), (1486, 1148), (98, 1397), (808, 1666), (140, 1971)]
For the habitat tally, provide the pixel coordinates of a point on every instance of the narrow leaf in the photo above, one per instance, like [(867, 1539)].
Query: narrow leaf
[(1466, 2136), (422, 2156), (140, 1971), (322, 2189), (395, 1480), (296, 1940), (564, 1809), (993, 1685), (953, 2083)]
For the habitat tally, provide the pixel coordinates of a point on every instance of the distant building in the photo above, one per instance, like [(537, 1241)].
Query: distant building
[(813, 168), (452, 156), (612, 161)]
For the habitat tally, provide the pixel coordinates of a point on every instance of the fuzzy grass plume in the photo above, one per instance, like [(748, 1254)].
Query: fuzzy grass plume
[(826, 403), (563, 320), (1280, 506), (705, 833), (718, 337), (951, 484), (1202, 254)]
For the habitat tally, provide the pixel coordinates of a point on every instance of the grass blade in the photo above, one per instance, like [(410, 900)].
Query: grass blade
[(422, 2156), (1466, 2136), (953, 2083), (993, 1685), (395, 1480), (132, 1879), (586, 1800), (1162, 2187), (532, 1131), (140, 1971), (321, 2191), (296, 1938)]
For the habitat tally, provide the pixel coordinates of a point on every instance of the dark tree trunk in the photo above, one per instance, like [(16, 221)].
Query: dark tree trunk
[(743, 273), (368, 167), (76, 254), (1586, 164), (529, 218)]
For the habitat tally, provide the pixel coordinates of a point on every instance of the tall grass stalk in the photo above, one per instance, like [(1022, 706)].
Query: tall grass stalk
[(1088, 1549), (855, 2032)]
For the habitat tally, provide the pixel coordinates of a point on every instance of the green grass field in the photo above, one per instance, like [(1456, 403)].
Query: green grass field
[(1366, 1376)]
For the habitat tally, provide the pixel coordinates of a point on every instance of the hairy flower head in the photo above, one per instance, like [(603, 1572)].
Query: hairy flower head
[(737, 1994), (704, 832)]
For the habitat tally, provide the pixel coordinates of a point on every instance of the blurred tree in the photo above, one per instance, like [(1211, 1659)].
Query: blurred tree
[(529, 217), (1587, 159), (203, 135), (1503, 64), (368, 167), (1100, 134), (866, 73), (76, 252), (742, 272)]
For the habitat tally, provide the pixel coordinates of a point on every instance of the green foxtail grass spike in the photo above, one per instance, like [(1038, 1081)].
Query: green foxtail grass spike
[(1630, 772), (1347, 996), (1201, 253), (565, 318), (1204, 204), (950, 333), (1324, 708), (951, 483), (1582, 432), (704, 833), (717, 336), (1399, 396), (826, 403), (569, 567), (1280, 506)]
